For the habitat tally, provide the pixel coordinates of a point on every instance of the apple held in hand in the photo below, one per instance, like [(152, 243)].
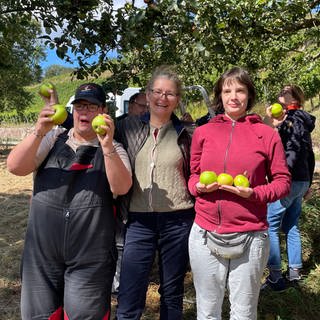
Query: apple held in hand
[(241, 180), (225, 179), (60, 114), (44, 89), (276, 110), (207, 177), (97, 122)]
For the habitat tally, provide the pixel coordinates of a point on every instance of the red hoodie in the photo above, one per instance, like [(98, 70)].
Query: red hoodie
[(234, 147)]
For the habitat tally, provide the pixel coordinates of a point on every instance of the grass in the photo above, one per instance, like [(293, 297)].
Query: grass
[(301, 303)]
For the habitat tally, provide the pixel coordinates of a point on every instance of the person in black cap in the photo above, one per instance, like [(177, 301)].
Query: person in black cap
[(90, 92), (69, 256), (137, 106)]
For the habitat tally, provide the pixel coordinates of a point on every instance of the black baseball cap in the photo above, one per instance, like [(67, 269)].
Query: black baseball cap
[(91, 92)]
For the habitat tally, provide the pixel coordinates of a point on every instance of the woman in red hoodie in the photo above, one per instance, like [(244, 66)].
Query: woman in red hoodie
[(234, 142)]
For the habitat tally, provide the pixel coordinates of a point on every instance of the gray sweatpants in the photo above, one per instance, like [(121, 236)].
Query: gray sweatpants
[(241, 276)]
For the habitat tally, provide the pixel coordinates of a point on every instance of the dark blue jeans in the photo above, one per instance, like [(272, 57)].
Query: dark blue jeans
[(149, 233), (284, 215)]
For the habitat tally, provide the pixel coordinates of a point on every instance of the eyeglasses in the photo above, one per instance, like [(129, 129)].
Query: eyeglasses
[(141, 104), (285, 91), (90, 107), (158, 94)]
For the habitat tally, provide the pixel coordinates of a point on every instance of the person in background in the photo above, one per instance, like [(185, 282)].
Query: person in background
[(295, 127), (69, 255), (235, 142), (206, 118), (137, 106), (160, 206)]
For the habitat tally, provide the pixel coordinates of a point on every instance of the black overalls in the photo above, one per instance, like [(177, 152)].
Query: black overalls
[(69, 256)]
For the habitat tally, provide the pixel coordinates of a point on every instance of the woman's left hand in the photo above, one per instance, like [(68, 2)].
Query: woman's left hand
[(106, 140), (244, 192)]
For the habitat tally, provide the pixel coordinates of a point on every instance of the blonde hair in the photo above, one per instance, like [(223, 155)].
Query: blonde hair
[(167, 72)]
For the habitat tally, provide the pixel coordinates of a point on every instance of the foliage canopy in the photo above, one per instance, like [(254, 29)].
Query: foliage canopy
[(19, 56), (276, 40)]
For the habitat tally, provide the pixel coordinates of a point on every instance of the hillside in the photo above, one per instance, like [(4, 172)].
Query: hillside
[(66, 86)]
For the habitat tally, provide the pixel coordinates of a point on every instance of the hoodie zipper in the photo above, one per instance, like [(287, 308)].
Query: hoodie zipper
[(228, 147), (225, 165)]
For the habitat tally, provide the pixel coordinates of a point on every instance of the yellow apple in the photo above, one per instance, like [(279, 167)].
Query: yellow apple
[(276, 110), (225, 179), (44, 89), (60, 114), (207, 177), (241, 180), (97, 122)]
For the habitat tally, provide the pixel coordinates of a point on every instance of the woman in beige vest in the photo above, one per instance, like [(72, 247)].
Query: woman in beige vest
[(160, 208)]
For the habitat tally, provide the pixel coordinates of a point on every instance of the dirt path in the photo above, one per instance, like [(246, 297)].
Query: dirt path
[(11, 135), (15, 193)]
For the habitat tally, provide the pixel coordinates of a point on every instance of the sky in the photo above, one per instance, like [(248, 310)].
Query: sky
[(51, 54), (53, 59)]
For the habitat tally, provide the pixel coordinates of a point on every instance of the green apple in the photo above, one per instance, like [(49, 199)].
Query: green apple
[(44, 89), (60, 114), (225, 179), (276, 110), (208, 177), (241, 180), (97, 122)]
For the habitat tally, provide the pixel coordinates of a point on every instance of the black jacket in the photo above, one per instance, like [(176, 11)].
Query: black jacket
[(295, 132)]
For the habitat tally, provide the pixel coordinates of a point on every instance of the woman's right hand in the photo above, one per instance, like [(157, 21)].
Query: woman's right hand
[(202, 188), (44, 123)]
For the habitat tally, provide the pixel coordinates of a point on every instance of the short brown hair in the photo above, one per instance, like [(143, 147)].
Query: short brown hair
[(240, 75)]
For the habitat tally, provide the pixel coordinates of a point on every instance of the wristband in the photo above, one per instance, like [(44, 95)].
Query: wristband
[(38, 135), (111, 153)]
